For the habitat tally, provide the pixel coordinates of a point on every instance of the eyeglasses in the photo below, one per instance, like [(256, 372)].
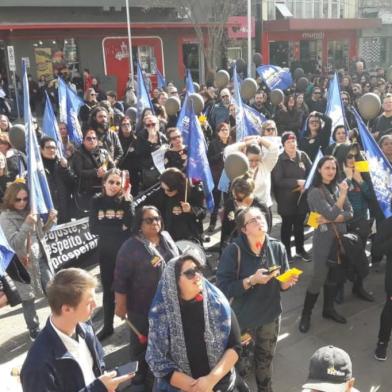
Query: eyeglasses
[(18, 200), (254, 220), (351, 156), (90, 138), (112, 182), (317, 92), (50, 147), (175, 137), (150, 221), (149, 125), (191, 272)]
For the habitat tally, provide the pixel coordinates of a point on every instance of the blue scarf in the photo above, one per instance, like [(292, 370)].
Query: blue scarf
[(166, 349)]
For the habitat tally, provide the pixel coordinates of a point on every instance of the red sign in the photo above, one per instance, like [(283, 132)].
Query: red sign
[(237, 27), (116, 58)]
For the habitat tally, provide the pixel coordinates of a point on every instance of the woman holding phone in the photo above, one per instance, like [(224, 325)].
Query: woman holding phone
[(111, 216)]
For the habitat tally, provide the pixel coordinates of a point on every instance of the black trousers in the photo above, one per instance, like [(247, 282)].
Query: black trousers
[(293, 224), (384, 333)]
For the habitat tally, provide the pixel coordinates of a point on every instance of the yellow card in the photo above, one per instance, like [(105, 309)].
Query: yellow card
[(313, 219), (362, 166), (288, 274)]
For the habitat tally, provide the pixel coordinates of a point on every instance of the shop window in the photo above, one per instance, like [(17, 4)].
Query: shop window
[(233, 54), (147, 59)]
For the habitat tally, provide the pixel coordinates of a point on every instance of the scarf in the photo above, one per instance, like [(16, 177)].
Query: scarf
[(166, 349)]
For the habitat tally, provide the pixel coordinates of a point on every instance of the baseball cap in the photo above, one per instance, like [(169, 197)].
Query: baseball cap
[(329, 370)]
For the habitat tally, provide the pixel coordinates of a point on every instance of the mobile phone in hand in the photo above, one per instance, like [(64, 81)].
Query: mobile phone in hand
[(127, 368)]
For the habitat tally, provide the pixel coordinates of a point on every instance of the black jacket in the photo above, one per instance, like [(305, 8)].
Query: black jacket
[(109, 141), (288, 120), (284, 179)]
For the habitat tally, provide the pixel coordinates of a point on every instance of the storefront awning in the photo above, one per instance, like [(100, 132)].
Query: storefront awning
[(283, 10), (293, 24)]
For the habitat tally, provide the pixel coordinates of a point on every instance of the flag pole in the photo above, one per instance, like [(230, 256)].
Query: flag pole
[(186, 190), (249, 17), (129, 40)]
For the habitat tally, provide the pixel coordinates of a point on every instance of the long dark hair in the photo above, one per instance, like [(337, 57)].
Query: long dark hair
[(176, 181), (317, 180), (179, 263)]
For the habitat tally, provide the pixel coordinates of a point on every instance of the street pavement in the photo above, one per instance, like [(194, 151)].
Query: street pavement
[(358, 337)]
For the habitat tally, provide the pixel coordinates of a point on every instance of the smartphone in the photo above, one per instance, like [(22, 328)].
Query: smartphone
[(127, 368), (273, 268)]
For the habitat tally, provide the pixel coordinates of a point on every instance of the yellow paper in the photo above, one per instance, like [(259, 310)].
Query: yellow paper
[(289, 274), (313, 219), (362, 166)]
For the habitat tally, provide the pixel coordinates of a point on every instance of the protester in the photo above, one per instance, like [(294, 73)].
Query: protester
[(215, 155), (330, 370), (268, 128), (61, 179), (243, 274), (177, 155), (340, 137), (220, 111), (111, 215), (25, 231), (139, 265), (199, 349), (5, 124), (330, 200), (90, 164), (288, 177), (262, 105), (385, 144), (67, 356), (383, 123), (316, 101), (115, 104), (288, 117), (90, 102)]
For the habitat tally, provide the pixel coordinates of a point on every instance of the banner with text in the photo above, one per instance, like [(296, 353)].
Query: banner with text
[(66, 243)]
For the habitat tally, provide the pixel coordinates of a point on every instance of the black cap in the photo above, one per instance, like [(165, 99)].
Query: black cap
[(330, 369)]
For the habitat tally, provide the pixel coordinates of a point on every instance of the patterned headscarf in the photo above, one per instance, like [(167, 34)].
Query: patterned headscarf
[(166, 349)]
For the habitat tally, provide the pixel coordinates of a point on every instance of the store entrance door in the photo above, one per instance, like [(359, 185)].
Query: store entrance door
[(311, 55), (190, 55), (338, 54)]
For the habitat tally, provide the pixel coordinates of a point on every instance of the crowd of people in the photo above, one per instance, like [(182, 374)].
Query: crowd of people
[(188, 334)]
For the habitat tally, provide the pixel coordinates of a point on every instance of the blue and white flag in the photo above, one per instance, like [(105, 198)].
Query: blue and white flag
[(70, 104), (190, 88), (6, 253), (253, 120), (198, 167), (334, 105), (143, 98), (39, 193), (50, 127), (239, 108), (379, 167), (275, 77), (161, 81), (310, 177)]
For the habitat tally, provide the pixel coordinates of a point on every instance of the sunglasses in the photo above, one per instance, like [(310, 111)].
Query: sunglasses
[(112, 182), (18, 200), (150, 125), (50, 147), (350, 156), (191, 272), (90, 138), (270, 129), (150, 221)]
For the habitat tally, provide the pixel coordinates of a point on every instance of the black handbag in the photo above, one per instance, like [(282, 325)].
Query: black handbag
[(17, 271), (10, 290)]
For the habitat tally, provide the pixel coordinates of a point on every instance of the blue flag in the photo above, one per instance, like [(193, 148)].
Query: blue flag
[(161, 81), (253, 120), (143, 98), (275, 77), (50, 126), (379, 167), (39, 193), (70, 104), (198, 167), (190, 88), (309, 179), (334, 105), (6, 253)]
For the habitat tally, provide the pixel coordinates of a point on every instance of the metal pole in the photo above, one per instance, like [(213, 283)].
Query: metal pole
[(249, 38), (16, 94), (129, 40)]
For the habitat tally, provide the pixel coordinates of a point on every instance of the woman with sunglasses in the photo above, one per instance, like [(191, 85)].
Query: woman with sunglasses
[(139, 266), (25, 233), (288, 117), (182, 206), (149, 140), (196, 350), (90, 102), (110, 218), (246, 273), (329, 199), (176, 155), (242, 196)]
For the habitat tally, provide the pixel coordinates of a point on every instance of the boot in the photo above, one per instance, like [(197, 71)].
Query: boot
[(213, 219), (310, 300), (339, 298), (329, 311), (360, 291), (108, 315)]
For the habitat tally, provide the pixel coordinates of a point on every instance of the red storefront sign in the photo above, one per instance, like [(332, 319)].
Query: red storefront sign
[(237, 27), (116, 57)]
